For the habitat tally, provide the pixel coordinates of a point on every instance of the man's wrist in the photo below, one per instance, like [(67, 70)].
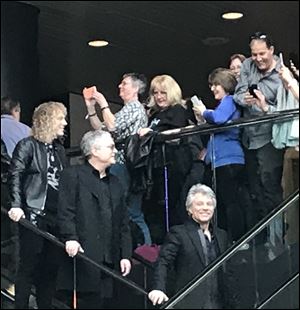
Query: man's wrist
[(291, 83), (265, 108)]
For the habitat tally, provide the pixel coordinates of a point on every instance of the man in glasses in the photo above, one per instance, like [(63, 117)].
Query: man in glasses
[(256, 93), (93, 219)]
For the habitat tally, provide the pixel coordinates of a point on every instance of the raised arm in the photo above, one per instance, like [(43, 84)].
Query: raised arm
[(108, 117)]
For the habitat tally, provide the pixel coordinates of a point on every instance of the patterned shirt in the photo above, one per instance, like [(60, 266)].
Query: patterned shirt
[(128, 121)]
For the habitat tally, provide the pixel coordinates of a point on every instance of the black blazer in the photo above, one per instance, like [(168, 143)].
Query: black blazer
[(182, 251), (78, 219)]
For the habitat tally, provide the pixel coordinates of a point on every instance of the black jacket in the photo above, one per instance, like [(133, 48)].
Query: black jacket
[(5, 162), (28, 174), (79, 218), (183, 253)]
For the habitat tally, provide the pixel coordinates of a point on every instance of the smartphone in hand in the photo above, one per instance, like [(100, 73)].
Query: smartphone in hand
[(88, 92), (196, 101), (251, 90)]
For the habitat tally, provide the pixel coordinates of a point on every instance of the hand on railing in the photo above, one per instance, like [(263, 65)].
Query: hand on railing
[(16, 214), (73, 247), (125, 266), (157, 297)]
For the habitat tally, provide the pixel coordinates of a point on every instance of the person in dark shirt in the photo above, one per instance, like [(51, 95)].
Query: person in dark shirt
[(168, 111), (33, 186), (93, 218), (189, 248), (122, 125)]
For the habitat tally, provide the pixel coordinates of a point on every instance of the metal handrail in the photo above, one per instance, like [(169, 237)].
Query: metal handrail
[(210, 128), (228, 253), (57, 242)]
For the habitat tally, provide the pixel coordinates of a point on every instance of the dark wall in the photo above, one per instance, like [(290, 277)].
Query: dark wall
[(19, 55)]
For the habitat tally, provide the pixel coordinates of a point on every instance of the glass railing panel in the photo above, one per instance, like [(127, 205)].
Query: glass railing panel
[(251, 200), (286, 297), (260, 265)]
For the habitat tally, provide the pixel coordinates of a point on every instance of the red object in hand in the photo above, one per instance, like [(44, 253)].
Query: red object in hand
[(88, 93)]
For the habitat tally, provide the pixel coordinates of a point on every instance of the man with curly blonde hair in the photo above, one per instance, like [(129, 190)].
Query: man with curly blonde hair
[(33, 182)]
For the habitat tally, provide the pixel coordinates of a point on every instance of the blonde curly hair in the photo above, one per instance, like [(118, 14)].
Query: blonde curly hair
[(43, 121)]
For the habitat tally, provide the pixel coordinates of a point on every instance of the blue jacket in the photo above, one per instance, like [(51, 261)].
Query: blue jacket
[(227, 145)]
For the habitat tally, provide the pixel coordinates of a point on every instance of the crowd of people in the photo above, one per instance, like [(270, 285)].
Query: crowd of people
[(89, 207)]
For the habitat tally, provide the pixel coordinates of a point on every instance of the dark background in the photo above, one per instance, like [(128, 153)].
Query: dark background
[(44, 51)]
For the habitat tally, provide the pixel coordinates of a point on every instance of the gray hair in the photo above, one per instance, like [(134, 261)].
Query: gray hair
[(202, 189), (91, 138), (139, 80)]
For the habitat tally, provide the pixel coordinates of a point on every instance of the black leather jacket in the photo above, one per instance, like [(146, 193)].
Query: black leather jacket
[(28, 175), (5, 163)]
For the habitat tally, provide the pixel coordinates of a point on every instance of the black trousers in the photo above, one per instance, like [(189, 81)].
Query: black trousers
[(264, 169), (38, 265), (230, 209)]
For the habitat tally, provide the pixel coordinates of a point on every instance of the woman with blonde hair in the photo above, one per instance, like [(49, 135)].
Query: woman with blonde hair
[(168, 111), (33, 182), (166, 106)]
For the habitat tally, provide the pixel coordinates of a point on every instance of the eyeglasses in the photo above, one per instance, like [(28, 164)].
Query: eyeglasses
[(111, 147)]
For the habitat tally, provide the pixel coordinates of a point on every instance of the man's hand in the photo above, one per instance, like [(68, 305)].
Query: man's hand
[(249, 99), (16, 214), (261, 101), (73, 247), (125, 266), (157, 297)]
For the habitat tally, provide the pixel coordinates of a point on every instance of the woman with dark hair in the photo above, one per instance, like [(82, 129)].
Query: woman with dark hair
[(235, 64), (224, 151)]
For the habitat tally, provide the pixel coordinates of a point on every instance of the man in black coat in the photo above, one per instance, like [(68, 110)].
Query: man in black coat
[(33, 181), (189, 248), (93, 219)]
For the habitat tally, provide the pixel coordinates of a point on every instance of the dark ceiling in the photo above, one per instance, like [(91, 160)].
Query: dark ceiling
[(153, 37)]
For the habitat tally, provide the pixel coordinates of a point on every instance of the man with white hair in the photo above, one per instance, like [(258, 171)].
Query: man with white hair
[(93, 219), (189, 248)]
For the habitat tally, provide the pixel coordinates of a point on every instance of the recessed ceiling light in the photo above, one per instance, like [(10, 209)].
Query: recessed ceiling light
[(97, 43), (232, 15)]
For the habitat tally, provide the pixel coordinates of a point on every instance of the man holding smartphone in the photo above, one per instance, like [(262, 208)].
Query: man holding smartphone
[(263, 162)]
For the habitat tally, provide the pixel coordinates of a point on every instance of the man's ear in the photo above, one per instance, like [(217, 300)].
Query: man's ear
[(93, 151), (15, 112)]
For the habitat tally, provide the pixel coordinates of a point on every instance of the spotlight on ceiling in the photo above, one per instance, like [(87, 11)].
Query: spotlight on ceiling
[(97, 43), (232, 15)]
